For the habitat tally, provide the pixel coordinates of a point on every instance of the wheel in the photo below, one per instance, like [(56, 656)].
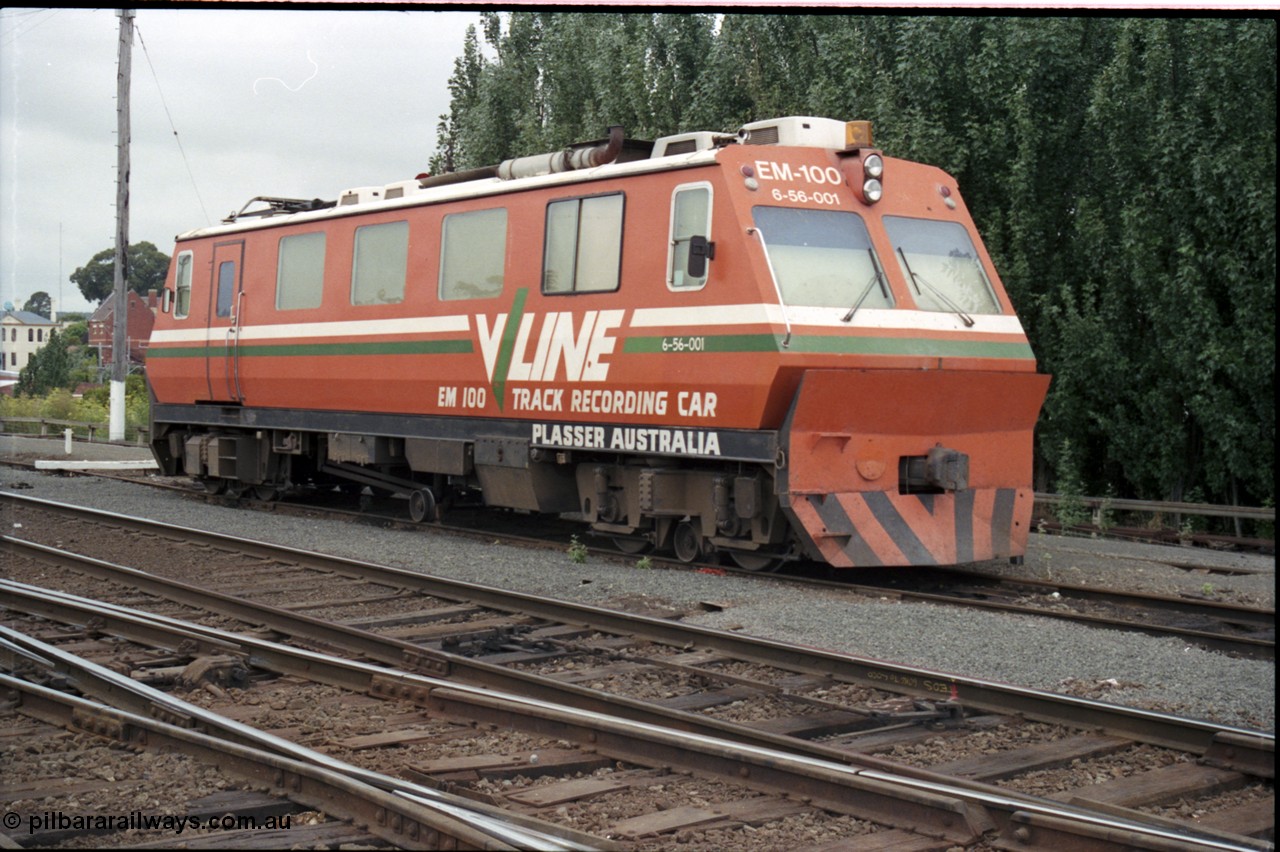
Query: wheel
[(762, 562), (687, 542), (213, 485), (422, 506), (266, 493), (631, 546)]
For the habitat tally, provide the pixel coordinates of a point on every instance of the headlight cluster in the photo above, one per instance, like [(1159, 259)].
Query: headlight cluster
[(872, 171)]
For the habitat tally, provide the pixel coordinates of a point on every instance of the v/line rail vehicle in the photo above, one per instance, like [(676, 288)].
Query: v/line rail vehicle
[(777, 344)]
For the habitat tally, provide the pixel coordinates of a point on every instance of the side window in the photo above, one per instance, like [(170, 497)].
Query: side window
[(226, 286), (690, 216), (379, 264), (300, 271), (583, 245), (473, 251), (182, 286)]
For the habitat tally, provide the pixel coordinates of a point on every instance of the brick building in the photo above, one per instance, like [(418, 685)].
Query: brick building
[(142, 316)]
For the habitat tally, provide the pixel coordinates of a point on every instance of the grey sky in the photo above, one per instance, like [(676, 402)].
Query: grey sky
[(291, 103)]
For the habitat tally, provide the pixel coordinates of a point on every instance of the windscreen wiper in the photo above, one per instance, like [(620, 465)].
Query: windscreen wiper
[(876, 277), (942, 297)]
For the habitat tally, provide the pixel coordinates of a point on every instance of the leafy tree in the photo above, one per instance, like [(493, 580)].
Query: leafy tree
[(48, 369), (558, 78), (76, 333), (464, 86), (39, 303), (146, 267)]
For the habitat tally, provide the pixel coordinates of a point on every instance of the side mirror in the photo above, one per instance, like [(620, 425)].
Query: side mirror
[(700, 251), (166, 300)]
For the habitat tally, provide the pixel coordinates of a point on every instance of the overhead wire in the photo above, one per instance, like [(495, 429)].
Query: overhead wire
[(176, 137), (20, 15)]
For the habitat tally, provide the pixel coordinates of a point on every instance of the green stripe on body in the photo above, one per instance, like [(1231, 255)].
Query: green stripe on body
[(927, 347)]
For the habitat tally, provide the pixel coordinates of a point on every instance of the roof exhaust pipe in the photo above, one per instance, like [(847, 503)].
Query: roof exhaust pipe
[(567, 160)]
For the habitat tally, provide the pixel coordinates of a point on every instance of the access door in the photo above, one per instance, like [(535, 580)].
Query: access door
[(226, 309)]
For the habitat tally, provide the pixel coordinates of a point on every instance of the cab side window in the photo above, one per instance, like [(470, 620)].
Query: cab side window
[(182, 286), (583, 245), (690, 217), (226, 287)]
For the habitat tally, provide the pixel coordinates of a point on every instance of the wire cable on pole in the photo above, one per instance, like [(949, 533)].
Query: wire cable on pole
[(168, 115)]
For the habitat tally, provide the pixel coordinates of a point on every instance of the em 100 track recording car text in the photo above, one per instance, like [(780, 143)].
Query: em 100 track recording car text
[(777, 344)]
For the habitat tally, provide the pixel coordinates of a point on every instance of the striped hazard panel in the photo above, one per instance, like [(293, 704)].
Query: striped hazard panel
[(873, 528)]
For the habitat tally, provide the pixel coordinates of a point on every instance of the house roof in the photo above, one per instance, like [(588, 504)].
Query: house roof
[(107, 308), (26, 318)]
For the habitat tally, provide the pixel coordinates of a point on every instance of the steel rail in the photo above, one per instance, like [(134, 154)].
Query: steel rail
[(1164, 729), (146, 701), (1249, 646), (1260, 617), (949, 811), (402, 822), (397, 652)]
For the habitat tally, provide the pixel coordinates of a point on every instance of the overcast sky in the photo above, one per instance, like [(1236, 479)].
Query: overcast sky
[(290, 103)]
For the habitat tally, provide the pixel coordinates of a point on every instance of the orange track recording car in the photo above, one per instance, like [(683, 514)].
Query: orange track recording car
[(777, 344)]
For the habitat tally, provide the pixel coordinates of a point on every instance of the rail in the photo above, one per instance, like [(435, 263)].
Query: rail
[(945, 808)]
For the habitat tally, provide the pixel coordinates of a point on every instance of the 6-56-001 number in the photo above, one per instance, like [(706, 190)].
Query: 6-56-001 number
[(684, 344), (799, 195)]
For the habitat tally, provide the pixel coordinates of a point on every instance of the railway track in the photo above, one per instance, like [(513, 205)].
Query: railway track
[(941, 808), (1239, 630), (103, 779), (347, 805), (1244, 631), (817, 706)]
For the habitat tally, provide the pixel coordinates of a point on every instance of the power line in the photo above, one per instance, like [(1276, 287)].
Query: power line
[(21, 16), (168, 115)]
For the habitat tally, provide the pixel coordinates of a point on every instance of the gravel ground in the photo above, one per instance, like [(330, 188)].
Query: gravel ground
[(1127, 669)]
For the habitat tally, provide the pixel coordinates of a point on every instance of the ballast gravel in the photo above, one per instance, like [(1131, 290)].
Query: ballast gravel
[(1124, 668)]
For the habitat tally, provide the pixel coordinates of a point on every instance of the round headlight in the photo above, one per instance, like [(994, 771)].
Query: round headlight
[(873, 166), (872, 190)]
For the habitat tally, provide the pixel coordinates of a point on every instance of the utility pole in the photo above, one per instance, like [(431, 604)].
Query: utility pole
[(119, 348)]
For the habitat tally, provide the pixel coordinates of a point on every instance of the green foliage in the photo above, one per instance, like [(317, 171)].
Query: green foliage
[(1121, 171), (146, 267), (76, 333), (1071, 510), (49, 368), (577, 551), (93, 407), (557, 78), (39, 303), (644, 563)]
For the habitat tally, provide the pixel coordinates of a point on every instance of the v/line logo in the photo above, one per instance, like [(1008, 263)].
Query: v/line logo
[(512, 351)]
